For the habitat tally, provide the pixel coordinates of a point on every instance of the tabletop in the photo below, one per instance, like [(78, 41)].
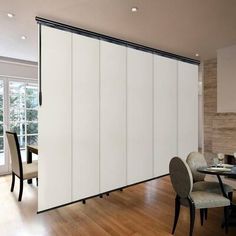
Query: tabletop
[(217, 170), (32, 148)]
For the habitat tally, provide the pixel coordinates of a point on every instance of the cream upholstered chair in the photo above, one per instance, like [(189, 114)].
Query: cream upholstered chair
[(196, 160), (22, 171), (182, 181)]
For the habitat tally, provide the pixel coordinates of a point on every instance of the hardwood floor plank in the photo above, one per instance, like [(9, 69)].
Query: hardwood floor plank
[(143, 210)]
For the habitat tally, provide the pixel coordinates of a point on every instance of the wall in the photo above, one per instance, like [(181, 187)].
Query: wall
[(18, 68), (226, 79), (210, 100), (219, 128)]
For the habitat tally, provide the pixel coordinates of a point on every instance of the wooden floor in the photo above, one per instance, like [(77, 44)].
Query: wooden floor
[(144, 209)]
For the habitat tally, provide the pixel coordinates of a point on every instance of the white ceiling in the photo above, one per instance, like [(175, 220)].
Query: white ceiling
[(184, 27)]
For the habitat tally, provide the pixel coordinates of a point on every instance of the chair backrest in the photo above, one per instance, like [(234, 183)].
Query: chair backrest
[(196, 160), (14, 148), (181, 177)]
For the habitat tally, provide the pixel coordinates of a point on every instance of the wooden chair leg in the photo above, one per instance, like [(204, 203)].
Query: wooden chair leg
[(205, 211), (192, 218), (12, 182), (202, 216), (21, 190), (177, 210), (226, 215)]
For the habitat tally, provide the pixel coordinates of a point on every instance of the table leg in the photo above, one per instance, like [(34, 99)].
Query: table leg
[(232, 211), (222, 187), (29, 160)]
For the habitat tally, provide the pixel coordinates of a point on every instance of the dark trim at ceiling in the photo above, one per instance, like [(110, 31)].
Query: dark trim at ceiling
[(73, 29)]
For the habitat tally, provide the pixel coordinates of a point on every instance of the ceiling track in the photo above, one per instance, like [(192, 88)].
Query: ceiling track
[(84, 32)]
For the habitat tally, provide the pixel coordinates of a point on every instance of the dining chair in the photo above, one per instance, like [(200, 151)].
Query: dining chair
[(22, 170), (196, 160), (182, 182)]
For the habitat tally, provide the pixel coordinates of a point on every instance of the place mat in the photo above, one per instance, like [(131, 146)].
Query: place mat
[(219, 169), (226, 165)]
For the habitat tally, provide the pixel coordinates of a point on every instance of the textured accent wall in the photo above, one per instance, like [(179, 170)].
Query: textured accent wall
[(210, 101), (219, 128)]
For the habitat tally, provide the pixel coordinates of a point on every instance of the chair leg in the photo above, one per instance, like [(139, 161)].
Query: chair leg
[(230, 195), (226, 215), (37, 181), (21, 190), (202, 216), (205, 210), (12, 182), (192, 218), (177, 210)]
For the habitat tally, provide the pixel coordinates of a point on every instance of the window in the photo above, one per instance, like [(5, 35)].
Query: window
[(23, 113), (18, 113)]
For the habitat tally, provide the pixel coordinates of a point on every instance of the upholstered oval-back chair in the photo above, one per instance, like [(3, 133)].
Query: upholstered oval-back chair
[(182, 182), (196, 160)]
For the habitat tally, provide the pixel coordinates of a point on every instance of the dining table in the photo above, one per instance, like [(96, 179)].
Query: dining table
[(30, 150), (228, 171)]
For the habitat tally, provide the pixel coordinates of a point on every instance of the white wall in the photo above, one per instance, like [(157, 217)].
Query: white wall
[(226, 79), (17, 68)]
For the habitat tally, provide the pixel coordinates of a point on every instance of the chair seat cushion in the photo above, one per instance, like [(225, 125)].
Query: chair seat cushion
[(30, 170), (212, 187), (207, 200)]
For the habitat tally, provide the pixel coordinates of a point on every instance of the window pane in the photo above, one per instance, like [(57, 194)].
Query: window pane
[(1, 101), (32, 139), (31, 90), (21, 140), (17, 101), (1, 129), (17, 115), (19, 128), (32, 102), (1, 115), (17, 88), (31, 115), (1, 87), (32, 128), (1, 145)]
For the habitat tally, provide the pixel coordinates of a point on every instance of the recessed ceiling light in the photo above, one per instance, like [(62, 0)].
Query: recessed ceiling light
[(197, 55), (134, 9), (23, 37), (10, 15)]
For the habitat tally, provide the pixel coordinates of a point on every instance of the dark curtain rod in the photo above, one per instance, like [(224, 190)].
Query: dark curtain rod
[(61, 26)]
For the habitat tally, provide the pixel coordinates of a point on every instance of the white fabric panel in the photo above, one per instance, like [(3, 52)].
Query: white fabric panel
[(139, 115), (85, 117), (187, 109), (55, 120), (113, 116), (165, 113)]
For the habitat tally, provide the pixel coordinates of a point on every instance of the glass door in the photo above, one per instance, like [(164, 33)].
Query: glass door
[(18, 113), (23, 115)]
